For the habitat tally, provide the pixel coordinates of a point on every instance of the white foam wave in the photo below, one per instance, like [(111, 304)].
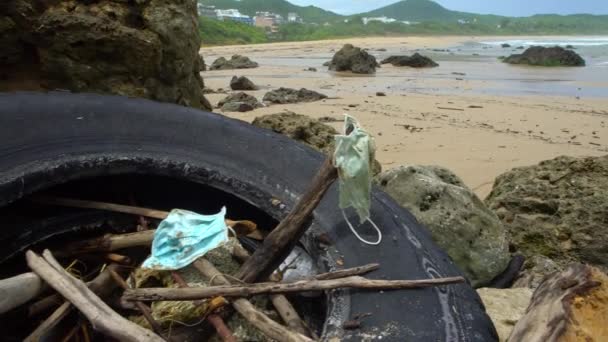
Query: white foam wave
[(597, 41)]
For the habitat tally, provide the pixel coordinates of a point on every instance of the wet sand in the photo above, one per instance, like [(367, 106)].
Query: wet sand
[(526, 115)]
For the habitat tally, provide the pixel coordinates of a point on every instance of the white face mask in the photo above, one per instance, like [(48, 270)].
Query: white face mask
[(353, 156)]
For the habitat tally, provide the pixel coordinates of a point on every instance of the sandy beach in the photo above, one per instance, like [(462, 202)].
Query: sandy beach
[(486, 119)]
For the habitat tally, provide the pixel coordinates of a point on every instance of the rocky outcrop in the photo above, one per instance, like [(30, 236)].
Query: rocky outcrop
[(458, 221), (134, 48), (415, 61), (505, 307), (288, 95), (242, 83), (235, 62), (547, 56), (305, 129), (568, 306), (353, 59), (239, 102), (505, 45), (556, 209)]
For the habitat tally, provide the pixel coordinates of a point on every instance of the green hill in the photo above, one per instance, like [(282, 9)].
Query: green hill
[(427, 10), (310, 14)]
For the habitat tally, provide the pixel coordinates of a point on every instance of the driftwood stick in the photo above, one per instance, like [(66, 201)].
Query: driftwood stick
[(347, 272), (287, 312), (277, 245), (18, 290), (222, 329), (356, 282), (143, 308), (258, 319), (101, 286), (44, 304), (240, 227), (49, 323), (101, 316)]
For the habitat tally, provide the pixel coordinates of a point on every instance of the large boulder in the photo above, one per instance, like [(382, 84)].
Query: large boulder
[(354, 59), (235, 62), (415, 61), (239, 102), (505, 307), (558, 208), (305, 129), (242, 83), (547, 56), (568, 306), (288, 95), (459, 222), (134, 48)]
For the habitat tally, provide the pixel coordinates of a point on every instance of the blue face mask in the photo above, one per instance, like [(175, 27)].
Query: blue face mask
[(185, 236)]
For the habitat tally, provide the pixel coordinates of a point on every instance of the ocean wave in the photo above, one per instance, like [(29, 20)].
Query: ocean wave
[(552, 42)]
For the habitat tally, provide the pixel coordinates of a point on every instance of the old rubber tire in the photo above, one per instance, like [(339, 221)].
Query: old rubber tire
[(49, 139)]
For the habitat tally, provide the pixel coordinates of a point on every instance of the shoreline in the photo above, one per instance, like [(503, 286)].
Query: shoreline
[(478, 144)]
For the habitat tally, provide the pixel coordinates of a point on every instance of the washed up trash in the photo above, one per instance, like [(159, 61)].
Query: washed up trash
[(185, 236), (354, 152)]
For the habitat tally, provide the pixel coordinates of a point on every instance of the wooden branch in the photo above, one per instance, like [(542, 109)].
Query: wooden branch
[(240, 227), (101, 316), (143, 308), (258, 319), (287, 312), (277, 245), (48, 324), (18, 290), (347, 272), (221, 328), (289, 315), (356, 282), (101, 285)]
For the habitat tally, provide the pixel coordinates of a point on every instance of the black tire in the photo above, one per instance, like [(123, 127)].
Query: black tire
[(49, 139)]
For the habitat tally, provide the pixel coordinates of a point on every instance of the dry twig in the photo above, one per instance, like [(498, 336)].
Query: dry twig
[(101, 316), (169, 294), (258, 319)]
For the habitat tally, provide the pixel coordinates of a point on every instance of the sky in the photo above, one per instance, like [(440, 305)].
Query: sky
[(503, 7)]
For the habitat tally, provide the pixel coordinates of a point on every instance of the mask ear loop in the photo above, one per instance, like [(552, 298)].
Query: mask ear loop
[(352, 228)]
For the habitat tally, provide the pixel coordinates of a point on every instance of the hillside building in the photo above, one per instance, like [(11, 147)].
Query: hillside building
[(206, 11), (268, 20), (234, 15), (294, 18)]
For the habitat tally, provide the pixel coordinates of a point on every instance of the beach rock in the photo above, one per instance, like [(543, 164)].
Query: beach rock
[(458, 221), (568, 306), (415, 61), (535, 270), (288, 95), (547, 56), (505, 307), (380, 93), (520, 48), (242, 83), (143, 49), (236, 62), (505, 45), (239, 102), (311, 69), (354, 59), (569, 46), (328, 63), (305, 129), (557, 209)]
